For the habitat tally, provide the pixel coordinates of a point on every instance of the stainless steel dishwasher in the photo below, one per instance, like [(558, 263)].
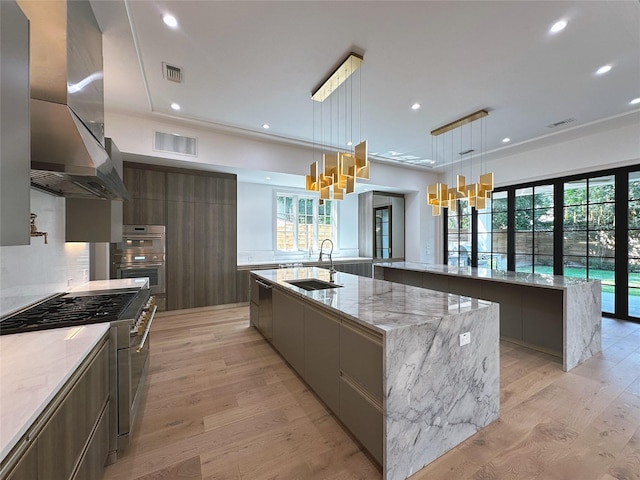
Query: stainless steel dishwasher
[(261, 307)]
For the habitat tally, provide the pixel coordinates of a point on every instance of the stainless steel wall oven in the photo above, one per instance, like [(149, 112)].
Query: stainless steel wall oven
[(142, 254)]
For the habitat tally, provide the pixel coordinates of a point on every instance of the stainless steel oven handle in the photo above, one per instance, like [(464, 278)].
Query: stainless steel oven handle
[(146, 330), (129, 266), (262, 284)]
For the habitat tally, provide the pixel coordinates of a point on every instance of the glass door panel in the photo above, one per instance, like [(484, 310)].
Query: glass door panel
[(383, 229), (633, 252)]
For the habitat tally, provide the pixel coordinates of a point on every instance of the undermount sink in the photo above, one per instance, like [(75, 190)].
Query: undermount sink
[(312, 284)]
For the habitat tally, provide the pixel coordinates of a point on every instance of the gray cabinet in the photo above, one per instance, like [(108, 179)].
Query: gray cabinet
[(27, 468), (542, 323), (15, 190), (467, 287), (322, 355), (510, 299), (288, 329), (340, 360), (362, 417), (363, 269), (361, 358), (63, 439), (70, 439), (96, 220), (361, 385)]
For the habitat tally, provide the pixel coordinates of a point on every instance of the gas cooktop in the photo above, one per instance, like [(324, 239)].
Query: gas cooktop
[(68, 310)]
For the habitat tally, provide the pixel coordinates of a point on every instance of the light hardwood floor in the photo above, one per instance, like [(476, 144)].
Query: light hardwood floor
[(221, 404)]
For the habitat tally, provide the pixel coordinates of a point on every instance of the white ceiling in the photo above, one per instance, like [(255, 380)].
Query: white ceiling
[(247, 63)]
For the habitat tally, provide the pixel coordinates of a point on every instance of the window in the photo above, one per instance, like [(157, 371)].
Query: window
[(301, 223), (534, 229), (498, 235), (633, 255), (459, 237), (589, 233), (569, 226)]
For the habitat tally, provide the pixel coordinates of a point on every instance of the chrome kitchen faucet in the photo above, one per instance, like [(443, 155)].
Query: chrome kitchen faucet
[(332, 271)]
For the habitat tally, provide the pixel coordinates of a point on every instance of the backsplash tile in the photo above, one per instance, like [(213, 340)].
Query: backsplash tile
[(32, 272)]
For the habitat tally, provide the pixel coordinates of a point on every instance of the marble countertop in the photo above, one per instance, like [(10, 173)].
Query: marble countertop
[(532, 279), (380, 305), (313, 261), (35, 365), (33, 368), (118, 284)]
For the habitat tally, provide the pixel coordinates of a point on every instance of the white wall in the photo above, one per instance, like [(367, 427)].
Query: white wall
[(134, 135), (31, 272), (256, 221), (600, 146)]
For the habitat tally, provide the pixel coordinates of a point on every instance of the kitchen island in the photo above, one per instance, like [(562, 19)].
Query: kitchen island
[(387, 360), (554, 314), (354, 265)]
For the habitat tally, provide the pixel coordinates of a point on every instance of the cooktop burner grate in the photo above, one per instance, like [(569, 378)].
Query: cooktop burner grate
[(68, 310)]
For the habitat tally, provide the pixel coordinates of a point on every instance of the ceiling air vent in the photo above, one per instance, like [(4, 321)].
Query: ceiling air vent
[(561, 122), (467, 152), (172, 73), (174, 143)]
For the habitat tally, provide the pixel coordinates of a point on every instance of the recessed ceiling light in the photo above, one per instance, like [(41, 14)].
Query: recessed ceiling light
[(267, 178), (558, 26), (603, 69), (265, 126), (506, 140), (349, 143), (635, 101), (415, 106), (170, 20), (175, 106)]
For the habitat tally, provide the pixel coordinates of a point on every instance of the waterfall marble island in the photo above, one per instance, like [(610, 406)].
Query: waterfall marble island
[(388, 359), (550, 313)]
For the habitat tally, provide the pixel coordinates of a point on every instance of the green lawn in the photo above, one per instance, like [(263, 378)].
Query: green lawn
[(605, 276)]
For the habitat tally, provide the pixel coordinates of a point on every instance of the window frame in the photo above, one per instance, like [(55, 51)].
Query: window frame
[(620, 230), (296, 197)]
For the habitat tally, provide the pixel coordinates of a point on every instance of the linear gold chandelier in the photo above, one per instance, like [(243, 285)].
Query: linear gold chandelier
[(340, 168), (441, 195)]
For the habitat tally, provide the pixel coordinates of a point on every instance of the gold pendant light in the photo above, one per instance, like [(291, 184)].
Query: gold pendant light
[(340, 169), (440, 195)]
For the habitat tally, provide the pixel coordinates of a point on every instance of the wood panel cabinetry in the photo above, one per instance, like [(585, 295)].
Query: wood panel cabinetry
[(70, 439), (201, 240), (147, 203), (27, 468), (199, 210), (180, 255)]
